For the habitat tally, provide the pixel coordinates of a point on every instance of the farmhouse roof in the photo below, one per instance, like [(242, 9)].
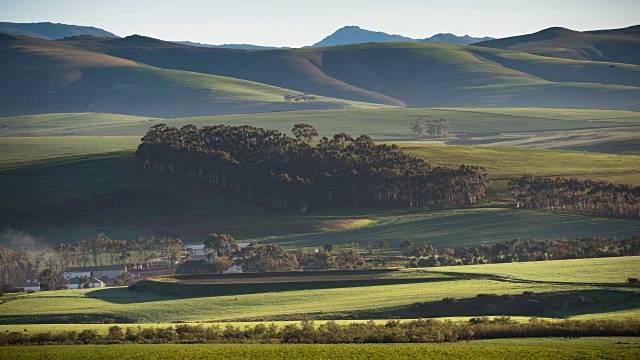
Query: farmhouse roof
[(27, 284), (95, 268)]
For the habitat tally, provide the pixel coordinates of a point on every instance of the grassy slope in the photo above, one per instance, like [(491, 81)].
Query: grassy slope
[(486, 349), (619, 45), (415, 74), (39, 200), (47, 76), (594, 130), (257, 301)]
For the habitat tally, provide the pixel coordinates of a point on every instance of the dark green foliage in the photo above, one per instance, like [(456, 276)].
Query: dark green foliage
[(530, 250), (15, 267), (48, 279), (416, 331), (126, 279), (349, 259), (599, 197), (84, 282), (203, 267), (271, 168), (222, 245), (270, 257), (304, 132)]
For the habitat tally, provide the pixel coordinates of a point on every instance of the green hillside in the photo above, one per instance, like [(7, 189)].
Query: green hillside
[(616, 45), (72, 198), (45, 76), (411, 74), (377, 299), (577, 129)]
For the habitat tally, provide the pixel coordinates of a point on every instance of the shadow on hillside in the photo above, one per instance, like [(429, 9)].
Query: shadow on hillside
[(549, 304), (152, 291), (69, 318)]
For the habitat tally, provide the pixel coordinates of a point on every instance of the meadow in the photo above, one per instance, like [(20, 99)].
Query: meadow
[(161, 302), (54, 166), (579, 129), (610, 348)]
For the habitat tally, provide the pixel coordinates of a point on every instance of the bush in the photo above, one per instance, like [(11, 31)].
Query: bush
[(196, 267)]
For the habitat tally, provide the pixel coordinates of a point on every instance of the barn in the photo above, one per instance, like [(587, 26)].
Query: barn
[(98, 272)]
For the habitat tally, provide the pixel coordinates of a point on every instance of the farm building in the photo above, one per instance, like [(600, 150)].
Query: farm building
[(233, 270), (98, 272), (28, 285), (198, 250), (93, 283)]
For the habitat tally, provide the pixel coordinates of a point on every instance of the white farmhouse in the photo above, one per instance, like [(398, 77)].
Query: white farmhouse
[(93, 283), (100, 272)]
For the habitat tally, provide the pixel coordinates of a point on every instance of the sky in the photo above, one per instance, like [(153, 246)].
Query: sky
[(297, 23)]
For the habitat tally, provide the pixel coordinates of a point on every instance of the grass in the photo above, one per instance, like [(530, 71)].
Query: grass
[(485, 349), (529, 126), (60, 199), (463, 227), (583, 271), (262, 302)]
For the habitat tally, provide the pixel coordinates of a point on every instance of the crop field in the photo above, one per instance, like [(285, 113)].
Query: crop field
[(161, 302), (609, 348)]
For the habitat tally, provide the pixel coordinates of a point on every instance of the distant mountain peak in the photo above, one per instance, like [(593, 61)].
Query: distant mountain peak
[(353, 34)]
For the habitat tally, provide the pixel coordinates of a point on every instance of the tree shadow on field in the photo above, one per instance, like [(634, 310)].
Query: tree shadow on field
[(68, 318), (152, 291), (549, 304)]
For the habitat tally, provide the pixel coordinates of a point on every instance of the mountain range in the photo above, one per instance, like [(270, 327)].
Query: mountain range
[(139, 75), (51, 31), (344, 36), (356, 35)]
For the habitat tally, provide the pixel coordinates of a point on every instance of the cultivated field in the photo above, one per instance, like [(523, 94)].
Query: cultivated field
[(609, 348)]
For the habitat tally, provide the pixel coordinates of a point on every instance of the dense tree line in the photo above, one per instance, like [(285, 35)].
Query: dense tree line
[(599, 197), (528, 250), (271, 168), (223, 251), (416, 331), (18, 266)]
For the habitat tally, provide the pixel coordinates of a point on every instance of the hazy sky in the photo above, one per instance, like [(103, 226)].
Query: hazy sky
[(298, 22)]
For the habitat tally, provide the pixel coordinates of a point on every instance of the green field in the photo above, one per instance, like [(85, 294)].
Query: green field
[(579, 129), (593, 348), (379, 299), (486, 349), (64, 202)]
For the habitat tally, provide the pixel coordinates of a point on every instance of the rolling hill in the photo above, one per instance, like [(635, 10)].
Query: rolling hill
[(42, 76), (403, 74), (616, 45), (51, 31)]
